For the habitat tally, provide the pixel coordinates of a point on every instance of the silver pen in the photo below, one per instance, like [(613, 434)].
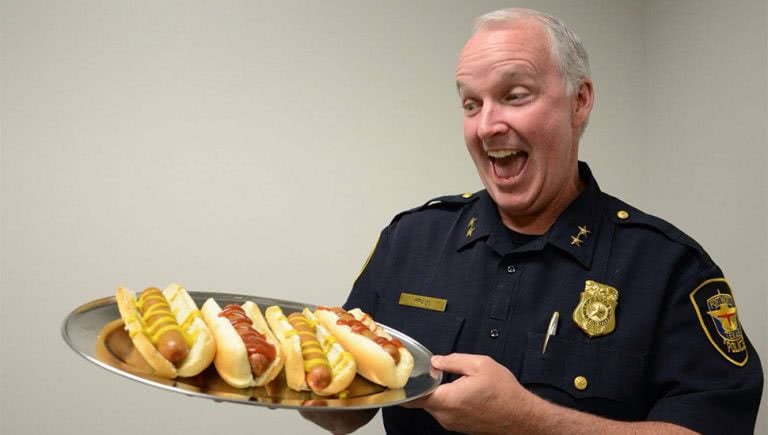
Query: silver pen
[(551, 330)]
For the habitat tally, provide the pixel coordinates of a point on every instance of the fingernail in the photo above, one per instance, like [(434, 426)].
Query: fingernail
[(436, 359)]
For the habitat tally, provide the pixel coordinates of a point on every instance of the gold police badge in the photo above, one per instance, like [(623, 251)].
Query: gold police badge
[(596, 312)]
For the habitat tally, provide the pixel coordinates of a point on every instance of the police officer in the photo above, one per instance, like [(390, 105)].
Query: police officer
[(555, 307)]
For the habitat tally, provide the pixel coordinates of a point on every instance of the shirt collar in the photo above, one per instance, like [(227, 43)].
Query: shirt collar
[(480, 222), (574, 232)]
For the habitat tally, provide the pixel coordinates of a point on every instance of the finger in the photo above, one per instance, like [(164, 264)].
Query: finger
[(429, 401), (418, 403), (459, 363), (433, 402), (441, 398)]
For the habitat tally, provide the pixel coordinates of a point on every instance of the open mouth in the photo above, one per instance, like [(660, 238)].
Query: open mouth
[(507, 163)]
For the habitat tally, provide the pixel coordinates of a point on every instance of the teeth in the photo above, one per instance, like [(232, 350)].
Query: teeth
[(500, 154)]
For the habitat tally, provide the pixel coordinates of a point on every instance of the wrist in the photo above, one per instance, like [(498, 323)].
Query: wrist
[(528, 414), (538, 414)]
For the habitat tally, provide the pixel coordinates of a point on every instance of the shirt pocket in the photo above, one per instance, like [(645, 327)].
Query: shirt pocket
[(610, 372), (436, 330)]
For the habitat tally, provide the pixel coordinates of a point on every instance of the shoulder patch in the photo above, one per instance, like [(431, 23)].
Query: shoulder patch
[(714, 305), (370, 255)]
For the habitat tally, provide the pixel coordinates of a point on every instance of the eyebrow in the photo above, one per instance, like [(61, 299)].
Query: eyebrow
[(515, 72), (509, 73)]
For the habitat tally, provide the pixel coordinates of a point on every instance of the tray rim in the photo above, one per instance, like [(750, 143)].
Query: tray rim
[(435, 374)]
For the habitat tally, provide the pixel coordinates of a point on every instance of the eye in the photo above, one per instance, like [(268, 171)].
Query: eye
[(516, 95), (512, 97), (470, 107)]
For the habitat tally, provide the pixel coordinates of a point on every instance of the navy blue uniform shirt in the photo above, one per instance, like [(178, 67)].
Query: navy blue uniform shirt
[(671, 348)]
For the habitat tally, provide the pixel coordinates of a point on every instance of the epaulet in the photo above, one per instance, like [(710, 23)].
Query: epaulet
[(624, 214), (447, 201)]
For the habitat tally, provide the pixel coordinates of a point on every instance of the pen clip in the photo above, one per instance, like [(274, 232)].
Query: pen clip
[(551, 330)]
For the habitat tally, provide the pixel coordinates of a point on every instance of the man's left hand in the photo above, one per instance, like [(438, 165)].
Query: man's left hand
[(485, 399)]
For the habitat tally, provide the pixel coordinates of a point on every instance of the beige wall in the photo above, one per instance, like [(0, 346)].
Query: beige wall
[(708, 141), (256, 147)]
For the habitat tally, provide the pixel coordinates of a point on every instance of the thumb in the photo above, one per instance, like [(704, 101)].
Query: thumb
[(459, 363)]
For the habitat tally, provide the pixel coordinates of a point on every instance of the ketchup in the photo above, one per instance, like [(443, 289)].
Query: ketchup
[(389, 345), (260, 352)]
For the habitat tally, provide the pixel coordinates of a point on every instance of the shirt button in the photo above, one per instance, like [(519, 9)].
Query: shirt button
[(494, 333), (511, 269), (580, 382)]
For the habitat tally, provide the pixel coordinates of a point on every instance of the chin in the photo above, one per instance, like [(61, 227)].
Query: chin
[(511, 203)]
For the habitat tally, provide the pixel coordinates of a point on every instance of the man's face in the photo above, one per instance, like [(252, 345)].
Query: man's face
[(520, 127)]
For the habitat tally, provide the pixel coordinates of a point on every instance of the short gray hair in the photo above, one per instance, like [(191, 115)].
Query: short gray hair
[(566, 47)]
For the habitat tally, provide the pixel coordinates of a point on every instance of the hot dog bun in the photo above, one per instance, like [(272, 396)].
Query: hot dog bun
[(341, 364), (291, 346), (126, 304), (203, 347), (260, 325), (231, 359), (373, 362), (197, 337)]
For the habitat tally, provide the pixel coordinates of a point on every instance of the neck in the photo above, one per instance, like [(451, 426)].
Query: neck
[(540, 222)]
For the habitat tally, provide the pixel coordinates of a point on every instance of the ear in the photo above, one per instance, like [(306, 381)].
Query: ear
[(583, 99)]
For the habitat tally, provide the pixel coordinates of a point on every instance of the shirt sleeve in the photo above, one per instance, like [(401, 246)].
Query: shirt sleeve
[(705, 374), (365, 293)]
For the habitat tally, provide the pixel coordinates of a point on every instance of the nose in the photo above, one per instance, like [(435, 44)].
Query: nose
[(491, 122)]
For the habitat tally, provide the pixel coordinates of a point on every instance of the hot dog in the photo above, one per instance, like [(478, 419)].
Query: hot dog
[(314, 359), (380, 358), (247, 354), (167, 330)]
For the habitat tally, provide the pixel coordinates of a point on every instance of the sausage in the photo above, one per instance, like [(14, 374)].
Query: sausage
[(315, 362), (161, 326), (358, 327), (389, 347), (260, 352), (375, 356)]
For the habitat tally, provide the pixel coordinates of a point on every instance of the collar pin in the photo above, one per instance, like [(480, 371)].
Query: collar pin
[(577, 240), (471, 226)]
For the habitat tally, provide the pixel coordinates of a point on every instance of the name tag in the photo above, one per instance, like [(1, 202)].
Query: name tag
[(426, 302)]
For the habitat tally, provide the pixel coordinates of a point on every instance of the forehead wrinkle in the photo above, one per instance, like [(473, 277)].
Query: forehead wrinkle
[(527, 41), (502, 56), (503, 53)]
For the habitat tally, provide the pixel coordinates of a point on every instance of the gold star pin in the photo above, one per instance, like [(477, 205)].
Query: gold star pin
[(471, 226), (577, 239)]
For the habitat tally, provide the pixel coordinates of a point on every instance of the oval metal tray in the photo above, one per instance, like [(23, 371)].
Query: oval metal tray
[(95, 331)]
